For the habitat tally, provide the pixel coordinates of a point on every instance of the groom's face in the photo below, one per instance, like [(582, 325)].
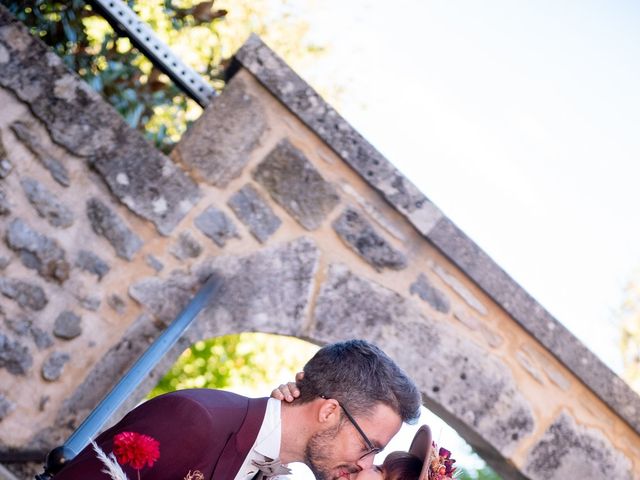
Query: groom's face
[(341, 450)]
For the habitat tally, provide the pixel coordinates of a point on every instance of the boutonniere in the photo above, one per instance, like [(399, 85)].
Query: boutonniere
[(129, 448)]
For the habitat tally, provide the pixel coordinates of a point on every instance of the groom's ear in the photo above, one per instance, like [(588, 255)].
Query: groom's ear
[(329, 411)]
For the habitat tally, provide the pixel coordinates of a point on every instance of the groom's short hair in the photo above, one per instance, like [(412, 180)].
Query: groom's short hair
[(359, 375)]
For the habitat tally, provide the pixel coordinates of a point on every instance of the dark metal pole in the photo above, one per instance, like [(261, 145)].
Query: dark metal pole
[(127, 23), (79, 439)]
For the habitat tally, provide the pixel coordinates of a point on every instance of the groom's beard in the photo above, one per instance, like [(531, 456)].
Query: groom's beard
[(320, 456)]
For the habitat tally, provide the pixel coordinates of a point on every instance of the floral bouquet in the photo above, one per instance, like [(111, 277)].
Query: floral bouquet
[(440, 463)]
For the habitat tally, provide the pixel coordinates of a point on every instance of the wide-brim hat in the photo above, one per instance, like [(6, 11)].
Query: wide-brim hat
[(421, 448)]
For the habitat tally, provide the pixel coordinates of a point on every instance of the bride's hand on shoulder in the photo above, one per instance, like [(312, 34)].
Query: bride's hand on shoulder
[(288, 392)]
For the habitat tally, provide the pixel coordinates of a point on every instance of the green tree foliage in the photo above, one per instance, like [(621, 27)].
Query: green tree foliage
[(485, 473), (202, 33), (248, 362)]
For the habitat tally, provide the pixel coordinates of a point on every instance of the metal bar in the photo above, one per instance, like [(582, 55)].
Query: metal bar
[(128, 383), (126, 21)]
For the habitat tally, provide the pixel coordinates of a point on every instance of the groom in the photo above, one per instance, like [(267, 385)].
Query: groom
[(353, 399)]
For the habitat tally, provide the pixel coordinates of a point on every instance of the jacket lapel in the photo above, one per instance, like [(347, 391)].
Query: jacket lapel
[(239, 444)]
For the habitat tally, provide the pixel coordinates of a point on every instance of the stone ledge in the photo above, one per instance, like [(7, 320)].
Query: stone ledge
[(277, 77)]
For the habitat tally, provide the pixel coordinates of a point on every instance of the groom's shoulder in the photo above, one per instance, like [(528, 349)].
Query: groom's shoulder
[(207, 398)]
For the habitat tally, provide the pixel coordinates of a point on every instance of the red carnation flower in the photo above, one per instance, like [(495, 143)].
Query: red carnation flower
[(136, 449)]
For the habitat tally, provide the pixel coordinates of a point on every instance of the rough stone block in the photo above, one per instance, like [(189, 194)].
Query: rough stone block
[(14, 356), (430, 294), (253, 210), (460, 289), (27, 295), (117, 303), (67, 325), (26, 134), (456, 376), (78, 119), (53, 366), (5, 164), (41, 338), (359, 235), (152, 293), (293, 182), (146, 181), (269, 290), (217, 147), (5, 167), (153, 262), (107, 223), (92, 263), (46, 203), (5, 204), (38, 251), (568, 450), (186, 247), (6, 407), (216, 225)]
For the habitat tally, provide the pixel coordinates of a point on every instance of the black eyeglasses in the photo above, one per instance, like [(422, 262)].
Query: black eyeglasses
[(371, 448)]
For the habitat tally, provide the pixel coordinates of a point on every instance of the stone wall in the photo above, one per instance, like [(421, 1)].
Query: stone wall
[(317, 236)]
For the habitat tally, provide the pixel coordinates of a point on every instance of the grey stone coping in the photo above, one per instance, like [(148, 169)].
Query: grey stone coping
[(277, 77)]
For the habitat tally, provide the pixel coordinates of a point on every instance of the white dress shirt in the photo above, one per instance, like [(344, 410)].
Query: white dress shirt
[(267, 444)]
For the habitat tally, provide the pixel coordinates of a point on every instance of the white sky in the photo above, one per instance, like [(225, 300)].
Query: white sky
[(520, 120)]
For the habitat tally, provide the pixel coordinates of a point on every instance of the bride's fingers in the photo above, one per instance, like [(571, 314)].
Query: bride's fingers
[(287, 392)]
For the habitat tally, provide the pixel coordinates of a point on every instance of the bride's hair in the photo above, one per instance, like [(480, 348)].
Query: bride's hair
[(401, 466)]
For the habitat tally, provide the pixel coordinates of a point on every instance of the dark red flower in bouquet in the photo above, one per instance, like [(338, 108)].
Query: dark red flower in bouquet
[(136, 449)]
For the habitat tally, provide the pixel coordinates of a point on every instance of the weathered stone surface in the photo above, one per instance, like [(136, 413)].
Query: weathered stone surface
[(430, 294), (269, 290), (53, 366), (38, 251), (14, 356), (41, 338), (217, 147), (80, 120), (476, 393), (253, 210), (4, 262), (274, 74), (107, 223), (92, 263), (145, 180), (5, 167), (152, 293), (527, 312), (90, 302), (6, 406), (153, 262), (293, 182), (46, 203), (186, 246), (568, 450), (5, 164), (460, 289), (117, 303), (67, 325), (216, 225), (27, 295), (29, 138), (5, 205), (359, 235), (20, 325)]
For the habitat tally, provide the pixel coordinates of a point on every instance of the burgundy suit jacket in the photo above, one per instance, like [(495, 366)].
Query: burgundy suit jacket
[(209, 431)]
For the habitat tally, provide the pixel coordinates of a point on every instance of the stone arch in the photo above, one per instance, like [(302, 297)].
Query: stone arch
[(317, 235)]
